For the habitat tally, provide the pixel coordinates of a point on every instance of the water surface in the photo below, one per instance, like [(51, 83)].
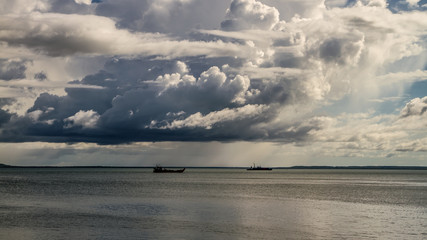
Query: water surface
[(123, 203)]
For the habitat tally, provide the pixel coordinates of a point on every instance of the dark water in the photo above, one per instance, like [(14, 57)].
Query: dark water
[(212, 204)]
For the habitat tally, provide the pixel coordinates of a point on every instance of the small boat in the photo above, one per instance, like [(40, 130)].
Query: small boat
[(259, 168), (159, 169)]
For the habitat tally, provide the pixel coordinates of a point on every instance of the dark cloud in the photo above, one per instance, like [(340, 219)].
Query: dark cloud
[(69, 7), (128, 12), (6, 101), (156, 100), (176, 97), (12, 69), (40, 76), (288, 60), (331, 50), (4, 117), (342, 49)]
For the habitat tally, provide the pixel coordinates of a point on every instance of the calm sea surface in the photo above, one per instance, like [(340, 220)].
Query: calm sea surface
[(212, 204)]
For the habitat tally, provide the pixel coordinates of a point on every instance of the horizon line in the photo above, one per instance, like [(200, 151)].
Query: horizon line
[(391, 167)]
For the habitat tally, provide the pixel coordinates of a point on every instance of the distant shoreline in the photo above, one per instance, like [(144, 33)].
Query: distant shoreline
[(195, 167)]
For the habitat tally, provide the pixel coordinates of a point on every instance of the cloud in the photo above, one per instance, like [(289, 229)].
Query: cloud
[(68, 34), (413, 3), (402, 77), (12, 69), (368, 132), (376, 3), (417, 106), (5, 117), (85, 119), (214, 118), (159, 14), (250, 14), (248, 76), (419, 145), (173, 101), (24, 6), (341, 51), (87, 2), (173, 17), (40, 76)]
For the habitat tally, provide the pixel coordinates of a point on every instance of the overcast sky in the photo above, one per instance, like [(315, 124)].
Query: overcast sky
[(213, 83)]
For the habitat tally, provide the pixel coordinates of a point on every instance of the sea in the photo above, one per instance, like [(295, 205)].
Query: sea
[(135, 203)]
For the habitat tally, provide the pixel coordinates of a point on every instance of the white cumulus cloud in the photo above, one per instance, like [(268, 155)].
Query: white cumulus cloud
[(224, 115), (87, 2), (85, 119), (250, 14), (417, 106)]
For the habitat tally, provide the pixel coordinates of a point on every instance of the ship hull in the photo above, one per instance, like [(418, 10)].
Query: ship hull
[(263, 169), (163, 170)]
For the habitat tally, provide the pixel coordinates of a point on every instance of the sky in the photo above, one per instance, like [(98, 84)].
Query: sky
[(213, 83)]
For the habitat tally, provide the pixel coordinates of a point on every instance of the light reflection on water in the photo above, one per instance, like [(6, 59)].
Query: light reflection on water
[(212, 204)]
